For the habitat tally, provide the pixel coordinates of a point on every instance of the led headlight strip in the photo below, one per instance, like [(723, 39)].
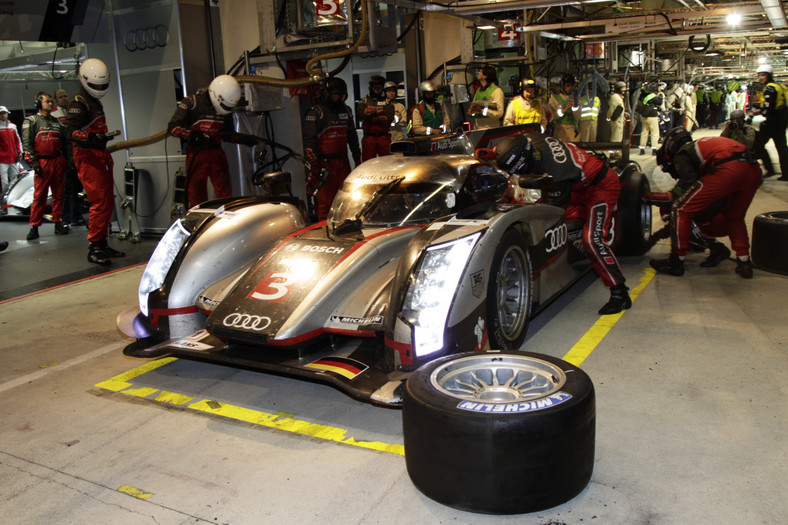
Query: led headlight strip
[(160, 262), (432, 291)]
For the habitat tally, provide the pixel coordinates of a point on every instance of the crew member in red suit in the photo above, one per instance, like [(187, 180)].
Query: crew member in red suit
[(10, 151), (199, 119), (43, 141), (586, 187), (328, 131), (376, 116), (86, 128), (708, 170)]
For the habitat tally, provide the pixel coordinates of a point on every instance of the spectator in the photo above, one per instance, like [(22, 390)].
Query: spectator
[(616, 112), (428, 117), (526, 108), (586, 188), (86, 128), (43, 140), (776, 113), (488, 102), (649, 108), (10, 151), (738, 129), (562, 110), (200, 120), (400, 120), (589, 118), (707, 170), (689, 109), (328, 131)]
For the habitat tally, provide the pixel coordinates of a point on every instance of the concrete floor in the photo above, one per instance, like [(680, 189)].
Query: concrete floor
[(691, 418)]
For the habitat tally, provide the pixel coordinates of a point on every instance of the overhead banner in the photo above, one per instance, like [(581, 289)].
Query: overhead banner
[(53, 21)]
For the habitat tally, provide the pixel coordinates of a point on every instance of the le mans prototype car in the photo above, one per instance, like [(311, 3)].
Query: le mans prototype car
[(416, 292), (427, 252)]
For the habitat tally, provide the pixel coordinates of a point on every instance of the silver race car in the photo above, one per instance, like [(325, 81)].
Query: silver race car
[(428, 252)]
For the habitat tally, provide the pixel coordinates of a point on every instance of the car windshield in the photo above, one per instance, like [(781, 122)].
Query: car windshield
[(396, 191)]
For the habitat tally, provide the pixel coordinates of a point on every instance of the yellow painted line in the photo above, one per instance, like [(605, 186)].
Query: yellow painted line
[(135, 492), (583, 348), (121, 382), (279, 420)]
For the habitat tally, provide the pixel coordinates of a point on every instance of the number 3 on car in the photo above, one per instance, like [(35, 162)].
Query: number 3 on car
[(274, 287)]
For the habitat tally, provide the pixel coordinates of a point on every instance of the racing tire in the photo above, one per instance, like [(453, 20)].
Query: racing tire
[(634, 215), (509, 293), (477, 441), (770, 242)]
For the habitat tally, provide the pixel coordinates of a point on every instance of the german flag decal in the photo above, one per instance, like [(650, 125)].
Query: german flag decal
[(343, 366)]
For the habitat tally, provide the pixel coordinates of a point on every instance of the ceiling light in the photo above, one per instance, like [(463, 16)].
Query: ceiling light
[(485, 27), (733, 19)]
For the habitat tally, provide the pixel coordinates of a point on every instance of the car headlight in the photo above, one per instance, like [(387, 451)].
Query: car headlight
[(432, 291), (160, 262)]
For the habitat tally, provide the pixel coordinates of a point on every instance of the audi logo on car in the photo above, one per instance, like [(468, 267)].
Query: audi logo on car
[(555, 238), (559, 155), (247, 321)]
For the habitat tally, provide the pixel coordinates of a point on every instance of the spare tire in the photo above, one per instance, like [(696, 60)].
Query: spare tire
[(770, 242), (499, 432)]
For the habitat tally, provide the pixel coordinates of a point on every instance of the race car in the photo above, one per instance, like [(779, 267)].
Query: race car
[(428, 252)]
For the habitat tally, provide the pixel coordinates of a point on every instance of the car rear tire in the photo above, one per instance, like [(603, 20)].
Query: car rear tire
[(770, 241), (499, 432), (509, 293), (634, 215)]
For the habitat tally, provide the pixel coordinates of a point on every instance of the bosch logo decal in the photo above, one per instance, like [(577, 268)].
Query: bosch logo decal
[(517, 408), (556, 149), (322, 249), (555, 238), (247, 322)]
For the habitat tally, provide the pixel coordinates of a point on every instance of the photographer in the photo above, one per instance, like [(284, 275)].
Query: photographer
[(737, 129)]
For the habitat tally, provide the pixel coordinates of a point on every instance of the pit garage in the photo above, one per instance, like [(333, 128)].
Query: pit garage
[(688, 383)]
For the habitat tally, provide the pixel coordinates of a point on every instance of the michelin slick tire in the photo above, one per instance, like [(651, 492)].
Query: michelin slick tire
[(770, 242), (499, 432), (634, 215)]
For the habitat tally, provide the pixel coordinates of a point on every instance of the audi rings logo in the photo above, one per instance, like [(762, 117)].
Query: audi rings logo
[(559, 154), (555, 238), (247, 322), (146, 38)]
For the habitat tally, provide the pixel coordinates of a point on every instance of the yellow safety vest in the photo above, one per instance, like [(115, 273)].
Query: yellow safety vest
[(530, 115), (781, 94), (589, 112)]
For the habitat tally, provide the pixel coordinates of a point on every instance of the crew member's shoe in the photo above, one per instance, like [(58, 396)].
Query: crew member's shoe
[(642, 152), (744, 268), (108, 251), (32, 234), (61, 229), (671, 266), (3, 245), (718, 252), (619, 300), (783, 178), (97, 256)]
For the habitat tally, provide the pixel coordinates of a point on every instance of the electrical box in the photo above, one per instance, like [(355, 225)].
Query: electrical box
[(260, 97)]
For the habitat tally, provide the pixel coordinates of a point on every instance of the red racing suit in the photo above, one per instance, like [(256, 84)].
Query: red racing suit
[(377, 115), (588, 189), (43, 140), (328, 131), (196, 120), (94, 165), (709, 170)]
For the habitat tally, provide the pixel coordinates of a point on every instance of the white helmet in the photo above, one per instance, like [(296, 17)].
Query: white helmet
[(225, 93), (94, 77), (765, 68)]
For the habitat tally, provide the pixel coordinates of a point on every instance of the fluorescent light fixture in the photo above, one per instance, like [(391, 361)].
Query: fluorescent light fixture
[(485, 27), (733, 19), (775, 13)]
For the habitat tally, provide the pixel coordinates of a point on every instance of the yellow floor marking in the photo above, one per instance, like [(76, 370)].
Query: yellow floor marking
[(583, 348), (137, 493), (279, 420)]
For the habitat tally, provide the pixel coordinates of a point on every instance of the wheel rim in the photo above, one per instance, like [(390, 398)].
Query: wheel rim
[(645, 221), (503, 379), (512, 293)]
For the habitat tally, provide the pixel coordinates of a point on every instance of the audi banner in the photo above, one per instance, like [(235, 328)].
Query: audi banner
[(53, 21)]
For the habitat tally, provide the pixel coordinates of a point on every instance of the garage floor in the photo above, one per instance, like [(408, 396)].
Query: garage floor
[(690, 385)]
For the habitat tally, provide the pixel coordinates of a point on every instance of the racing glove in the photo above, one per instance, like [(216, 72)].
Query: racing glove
[(99, 137), (36, 166), (310, 156), (201, 140)]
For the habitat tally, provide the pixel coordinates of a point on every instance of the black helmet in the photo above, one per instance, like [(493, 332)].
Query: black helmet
[(526, 82), (336, 86), (515, 154), (674, 140)]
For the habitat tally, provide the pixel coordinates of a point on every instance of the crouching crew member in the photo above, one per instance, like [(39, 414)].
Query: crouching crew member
[(586, 188), (708, 170)]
